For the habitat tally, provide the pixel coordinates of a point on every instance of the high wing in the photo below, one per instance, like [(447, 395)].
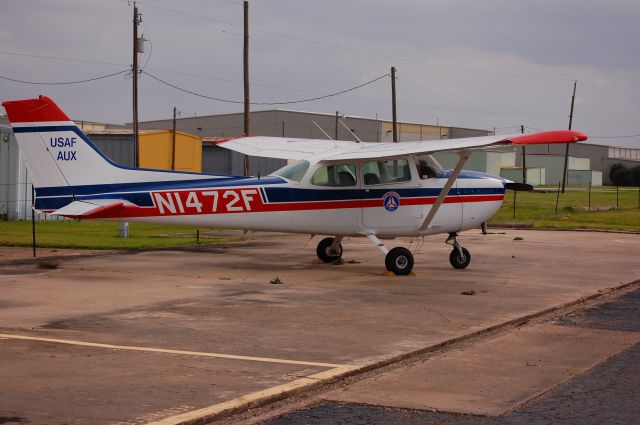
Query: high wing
[(292, 148), (285, 147)]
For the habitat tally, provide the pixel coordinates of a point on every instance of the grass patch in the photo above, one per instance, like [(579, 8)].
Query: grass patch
[(610, 211), (276, 281), (100, 235), (47, 265), (468, 293)]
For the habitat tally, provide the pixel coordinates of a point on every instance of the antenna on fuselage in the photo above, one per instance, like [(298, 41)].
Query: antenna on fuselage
[(325, 133), (352, 133)]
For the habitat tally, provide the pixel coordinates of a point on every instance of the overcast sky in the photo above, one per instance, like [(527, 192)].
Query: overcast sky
[(479, 64)]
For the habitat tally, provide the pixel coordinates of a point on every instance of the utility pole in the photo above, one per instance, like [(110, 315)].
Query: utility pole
[(337, 119), (524, 159), (173, 144), (137, 18), (393, 104), (566, 152), (245, 63)]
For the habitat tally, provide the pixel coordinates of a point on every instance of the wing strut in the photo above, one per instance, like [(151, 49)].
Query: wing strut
[(464, 156)]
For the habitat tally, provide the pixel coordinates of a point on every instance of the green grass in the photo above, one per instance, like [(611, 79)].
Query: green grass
[(538, 209), (532, 208), (100, 235)]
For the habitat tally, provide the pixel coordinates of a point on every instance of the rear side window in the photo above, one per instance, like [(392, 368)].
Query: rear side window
[(386, 171), (336, 175)]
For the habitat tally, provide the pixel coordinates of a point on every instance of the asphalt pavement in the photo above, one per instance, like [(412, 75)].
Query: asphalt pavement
[(606, 394)]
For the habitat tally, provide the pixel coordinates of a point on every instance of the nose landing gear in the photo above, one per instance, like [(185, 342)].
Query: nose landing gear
[(460, 256)]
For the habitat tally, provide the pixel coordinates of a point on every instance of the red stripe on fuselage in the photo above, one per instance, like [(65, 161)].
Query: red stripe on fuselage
[(248, 200)]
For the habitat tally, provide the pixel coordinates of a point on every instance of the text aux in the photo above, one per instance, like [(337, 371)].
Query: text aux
[(208, 201)]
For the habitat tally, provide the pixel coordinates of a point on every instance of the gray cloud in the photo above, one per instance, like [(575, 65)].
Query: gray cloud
[(459, 62)]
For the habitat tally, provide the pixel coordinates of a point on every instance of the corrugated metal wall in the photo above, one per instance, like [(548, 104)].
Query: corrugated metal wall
[(217, 160), (117, 147), (8, 173)]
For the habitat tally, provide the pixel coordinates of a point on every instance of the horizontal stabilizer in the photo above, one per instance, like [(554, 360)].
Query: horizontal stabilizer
[(88, 209)]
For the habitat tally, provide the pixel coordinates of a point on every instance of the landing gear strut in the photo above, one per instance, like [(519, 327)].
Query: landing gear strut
[(330, 249), (460, 256), (398, 261)]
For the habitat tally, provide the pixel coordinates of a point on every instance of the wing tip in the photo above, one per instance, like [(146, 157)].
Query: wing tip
[(547, 137)]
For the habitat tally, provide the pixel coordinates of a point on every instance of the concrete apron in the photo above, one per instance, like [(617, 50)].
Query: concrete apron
[(348, 317), (492, 376)]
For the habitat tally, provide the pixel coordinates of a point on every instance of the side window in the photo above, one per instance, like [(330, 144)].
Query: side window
[(386, 171), (338, 175), (428, 167)]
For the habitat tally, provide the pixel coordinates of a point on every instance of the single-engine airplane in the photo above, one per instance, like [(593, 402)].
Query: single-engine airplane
[(336, 188)]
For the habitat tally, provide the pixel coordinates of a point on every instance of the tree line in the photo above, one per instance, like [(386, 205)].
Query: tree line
[(620, 175)]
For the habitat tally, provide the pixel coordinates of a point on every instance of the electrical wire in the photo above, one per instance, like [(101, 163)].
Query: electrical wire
[(4, 52), (354, 50), (264, 103), (614, 137), (609, 92), (51, 83)]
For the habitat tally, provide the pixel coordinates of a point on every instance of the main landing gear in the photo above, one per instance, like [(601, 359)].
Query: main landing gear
[(460, 256), (398, 260), (330, 249)]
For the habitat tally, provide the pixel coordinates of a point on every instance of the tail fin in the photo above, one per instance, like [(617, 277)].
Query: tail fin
[(64, 164), (57, 152)]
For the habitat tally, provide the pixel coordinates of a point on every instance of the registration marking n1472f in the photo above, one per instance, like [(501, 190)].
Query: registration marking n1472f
[(207, 201)]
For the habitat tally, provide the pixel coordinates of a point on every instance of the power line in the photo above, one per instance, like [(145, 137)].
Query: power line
[(51, 83), (609, 92), (614, 137), (264, 103), (354, 50), (4, 52)]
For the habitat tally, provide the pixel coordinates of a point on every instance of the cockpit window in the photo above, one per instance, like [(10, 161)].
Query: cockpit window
[(337, 175), (428, 167), (385, 171), (295, 171)]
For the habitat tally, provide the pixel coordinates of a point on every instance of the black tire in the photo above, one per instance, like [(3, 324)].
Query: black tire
[(325, 254), (457, 261), (399, 261)]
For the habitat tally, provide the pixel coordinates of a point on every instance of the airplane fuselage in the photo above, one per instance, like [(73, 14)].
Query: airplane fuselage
[(275, 203)]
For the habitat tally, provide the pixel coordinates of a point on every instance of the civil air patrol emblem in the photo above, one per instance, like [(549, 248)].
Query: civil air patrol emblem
[(391, 201)]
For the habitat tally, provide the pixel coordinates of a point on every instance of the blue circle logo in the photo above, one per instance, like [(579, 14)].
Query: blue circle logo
[(391, 201)]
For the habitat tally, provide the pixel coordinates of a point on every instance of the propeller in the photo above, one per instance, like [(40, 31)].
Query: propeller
[(518, 187)]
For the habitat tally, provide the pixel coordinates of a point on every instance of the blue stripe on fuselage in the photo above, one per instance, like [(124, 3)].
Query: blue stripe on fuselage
[(48, 198), (287, 194)]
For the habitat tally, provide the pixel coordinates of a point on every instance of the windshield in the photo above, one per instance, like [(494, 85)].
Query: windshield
[(294, 172), (428, 167)]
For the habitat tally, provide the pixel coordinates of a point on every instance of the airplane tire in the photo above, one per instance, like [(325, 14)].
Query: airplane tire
[(399, 261), (325, 254), (457, 261)]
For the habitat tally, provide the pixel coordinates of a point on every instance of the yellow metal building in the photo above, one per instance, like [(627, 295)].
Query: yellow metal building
[(157, 151)]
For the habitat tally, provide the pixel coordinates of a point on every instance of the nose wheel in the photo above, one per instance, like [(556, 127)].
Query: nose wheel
[(329, 249), (460, 256)]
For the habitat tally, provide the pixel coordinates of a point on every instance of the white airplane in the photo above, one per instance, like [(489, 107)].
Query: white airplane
[(336, 188)]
